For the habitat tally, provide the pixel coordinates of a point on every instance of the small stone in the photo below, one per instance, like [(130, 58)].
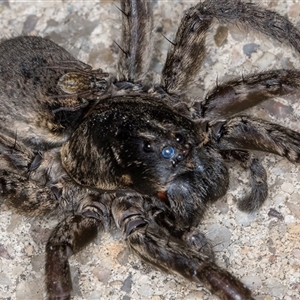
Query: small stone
[(245, 219), (222, 206), (4, 252), (29, 24), (295, 198), (37, 262), (156, 298), (294, 209), (95, 295), (221, 35), (126, 287), (39, 234), (279, 198), (29, 250), (296, 253), (195, 295), (275, 288), (287, 187), (4, 280), (102, 274), (145, 290), (219, 236), (250, 48), (294, 231), (123, 256), (294, 11), (252, 282), (286, 63), (276, 214), (265, 61), (23, 291)]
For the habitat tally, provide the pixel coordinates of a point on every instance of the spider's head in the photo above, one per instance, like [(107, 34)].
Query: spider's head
[(140, 144)]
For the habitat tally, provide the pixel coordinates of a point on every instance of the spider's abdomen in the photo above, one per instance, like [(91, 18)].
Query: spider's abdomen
[(30, 69)]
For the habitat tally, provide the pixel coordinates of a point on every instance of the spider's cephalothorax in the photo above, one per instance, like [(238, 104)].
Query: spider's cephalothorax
[(117, 152)]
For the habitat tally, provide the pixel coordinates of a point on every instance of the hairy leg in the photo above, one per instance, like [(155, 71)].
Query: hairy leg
[(26, 196), (17, 190), (187, 52), (155, 245), (235, 96), (69, 237), (258, 180), (14, 154), (185, 57), (247, 133), (135, 47)]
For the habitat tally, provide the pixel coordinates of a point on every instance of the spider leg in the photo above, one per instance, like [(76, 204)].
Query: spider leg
[(135, 47), (248, 133), (16, 188), (186, 56), (154, 244), (237, 95), (258, 180), (25, 196), (69, 237), (245, 133), (14, 153)]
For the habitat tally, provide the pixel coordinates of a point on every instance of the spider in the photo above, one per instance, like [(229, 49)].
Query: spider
[(143, 158)]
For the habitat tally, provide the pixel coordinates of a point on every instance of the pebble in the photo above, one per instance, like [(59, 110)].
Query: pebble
[(29, 290), (279, 198), (245, 219), (221, 35), (250, 48), (287, 187), (294, 10), (265, 61), (4, 279), (102, 274), (294, 231), (126, 287), (253, 282), (275, 287), (219, 236), (194, 295), (145, 290), (294, 209), (95, 295), (37, 262), (4, 252)]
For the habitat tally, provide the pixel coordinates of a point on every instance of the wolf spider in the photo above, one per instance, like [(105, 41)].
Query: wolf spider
[(144, 158)]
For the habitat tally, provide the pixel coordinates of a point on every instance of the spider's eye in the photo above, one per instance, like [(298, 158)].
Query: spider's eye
[(168, 152), (179, 138), (179, 157), (147, 147)]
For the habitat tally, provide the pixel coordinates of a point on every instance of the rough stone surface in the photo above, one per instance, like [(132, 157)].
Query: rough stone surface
[(261, 250)]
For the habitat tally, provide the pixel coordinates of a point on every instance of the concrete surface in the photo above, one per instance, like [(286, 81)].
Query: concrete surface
[(262, 250)]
